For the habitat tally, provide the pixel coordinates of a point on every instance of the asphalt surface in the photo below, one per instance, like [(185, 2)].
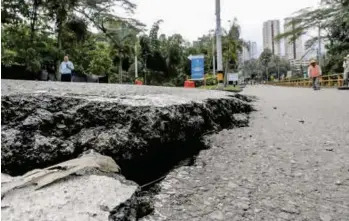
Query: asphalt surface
[(134, 95), (291, 163)]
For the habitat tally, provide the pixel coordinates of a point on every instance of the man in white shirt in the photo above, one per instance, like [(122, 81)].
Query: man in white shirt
[(65, 69), (346, 71)]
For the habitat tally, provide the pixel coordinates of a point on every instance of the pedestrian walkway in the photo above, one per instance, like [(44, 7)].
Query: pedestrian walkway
[(292, 163)]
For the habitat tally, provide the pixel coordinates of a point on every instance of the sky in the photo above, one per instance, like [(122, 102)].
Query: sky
[(193, 18)]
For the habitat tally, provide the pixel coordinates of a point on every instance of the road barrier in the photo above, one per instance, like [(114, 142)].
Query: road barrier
[(138, 82), (189, 84), (333, 80)]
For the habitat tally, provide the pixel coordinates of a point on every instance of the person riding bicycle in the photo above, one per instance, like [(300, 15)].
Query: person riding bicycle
[(314, 72)]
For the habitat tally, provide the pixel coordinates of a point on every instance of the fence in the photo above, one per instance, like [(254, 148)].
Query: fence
[(333, 80)]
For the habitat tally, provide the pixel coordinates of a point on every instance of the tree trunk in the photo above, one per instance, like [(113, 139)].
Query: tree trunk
[(34, 18), (145, 72), (226, 74), (59, 41), (120, 70)]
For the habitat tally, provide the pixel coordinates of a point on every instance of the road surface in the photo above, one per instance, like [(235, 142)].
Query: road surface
[(291, 163)]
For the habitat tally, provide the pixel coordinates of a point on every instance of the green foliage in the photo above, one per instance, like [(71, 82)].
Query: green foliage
[(252, 69), (28, 39), (232, 45), (8, 57), (100, 61), (211, 79), (265, 57)]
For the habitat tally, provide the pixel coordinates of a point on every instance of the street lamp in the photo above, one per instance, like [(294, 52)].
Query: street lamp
[(213, 53), (218, 37), (136, 58)]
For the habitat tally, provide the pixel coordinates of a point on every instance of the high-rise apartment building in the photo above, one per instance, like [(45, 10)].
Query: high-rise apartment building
[(254, 52), (250, 51), (271, 29), (246, 54), (293, 50)]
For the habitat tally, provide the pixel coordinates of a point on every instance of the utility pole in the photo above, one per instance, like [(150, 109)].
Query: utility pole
[(319, 50), (218, 37), (278, 65), (136, 61), (227, 61), (213, 55), (272, 38)]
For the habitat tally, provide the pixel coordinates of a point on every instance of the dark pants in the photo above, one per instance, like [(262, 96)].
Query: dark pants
[(316, 83), (66, 77)]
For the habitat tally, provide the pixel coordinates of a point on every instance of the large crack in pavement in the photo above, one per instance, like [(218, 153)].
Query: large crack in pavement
[(291, 163), (146, 133)]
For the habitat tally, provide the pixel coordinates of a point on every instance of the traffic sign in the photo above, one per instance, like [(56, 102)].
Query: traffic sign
[(197, 66)]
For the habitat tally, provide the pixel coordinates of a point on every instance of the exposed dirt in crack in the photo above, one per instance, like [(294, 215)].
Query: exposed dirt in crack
[(158, 164)]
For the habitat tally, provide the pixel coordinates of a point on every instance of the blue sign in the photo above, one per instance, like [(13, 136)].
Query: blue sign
[(197, 66)]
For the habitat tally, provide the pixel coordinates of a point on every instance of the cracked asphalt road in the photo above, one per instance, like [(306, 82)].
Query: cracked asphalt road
[(291, 163)]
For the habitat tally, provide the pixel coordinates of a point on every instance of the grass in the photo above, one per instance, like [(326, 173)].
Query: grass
[(229, 88)]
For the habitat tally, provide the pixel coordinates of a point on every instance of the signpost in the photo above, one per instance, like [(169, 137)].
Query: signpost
[(233, 77), (197, 67)]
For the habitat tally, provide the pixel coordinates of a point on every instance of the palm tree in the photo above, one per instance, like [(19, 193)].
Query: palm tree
[(325, 16), (232, 45), (122, 40)]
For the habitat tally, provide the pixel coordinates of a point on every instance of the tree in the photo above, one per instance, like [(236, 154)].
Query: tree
[(265, 59), (252, 69), (151, 55), (122, 40), (37, 33), (232, 45), (278, 67), (100, 61), (332, 17)]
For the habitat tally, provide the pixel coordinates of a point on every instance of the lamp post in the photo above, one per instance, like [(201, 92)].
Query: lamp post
[(136, 57), (218, 37), (136, 62), (319, 43), (213, 53), (227, 58)]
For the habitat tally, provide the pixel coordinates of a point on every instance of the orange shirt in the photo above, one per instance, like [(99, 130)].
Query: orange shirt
[(314, 71)]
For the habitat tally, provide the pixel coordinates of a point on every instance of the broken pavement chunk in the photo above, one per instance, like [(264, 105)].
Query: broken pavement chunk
[(54, 193), (42, 177)]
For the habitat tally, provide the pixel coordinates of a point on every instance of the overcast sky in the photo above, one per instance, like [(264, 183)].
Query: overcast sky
[(193, 18)]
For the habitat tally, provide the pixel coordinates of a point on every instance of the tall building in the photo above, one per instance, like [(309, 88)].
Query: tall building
[(254, 52), (293, 50), (271, 29), (246, 54), (250, 51)]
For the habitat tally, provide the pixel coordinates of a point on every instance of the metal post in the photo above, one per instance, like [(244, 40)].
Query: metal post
[(294, 41), (319, 50), (213, 57), (218, 37), (272, 38), (278, 63), (136, 62)]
